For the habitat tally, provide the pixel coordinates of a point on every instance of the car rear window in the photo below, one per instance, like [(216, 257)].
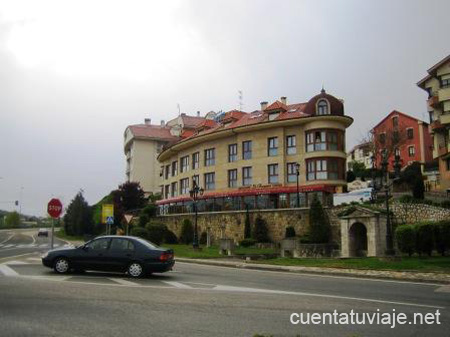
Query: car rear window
[(147, 243)]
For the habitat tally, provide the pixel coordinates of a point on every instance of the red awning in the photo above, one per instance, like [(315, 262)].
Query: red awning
[(242, 192)]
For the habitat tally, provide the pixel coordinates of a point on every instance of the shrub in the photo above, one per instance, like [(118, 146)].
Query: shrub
[(247, 242), (260, 231), (305, 239), (247, 226), (170, 237), (187, 232), (319, 224), (442, 236), (406, 199), (290, 232), (139, 231), (424, 238), (445, 204), (406, 239), (156, 232), (143, 220), (203, 238)]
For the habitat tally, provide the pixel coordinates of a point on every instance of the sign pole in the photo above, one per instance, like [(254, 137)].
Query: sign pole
[(53, 231)]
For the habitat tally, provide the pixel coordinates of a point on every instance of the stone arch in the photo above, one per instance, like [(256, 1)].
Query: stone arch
[(358, 243)]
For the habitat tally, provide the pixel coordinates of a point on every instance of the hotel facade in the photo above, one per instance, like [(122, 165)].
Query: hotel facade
[(275, 157)]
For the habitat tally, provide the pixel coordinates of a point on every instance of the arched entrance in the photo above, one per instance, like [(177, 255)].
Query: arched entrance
[(358, 240)]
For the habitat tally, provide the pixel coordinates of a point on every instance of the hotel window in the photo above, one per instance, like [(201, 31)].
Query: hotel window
[(273, 173), (332, 140), (445, 82), (184, 186), (184, 164), (167, 174), (291, 172), (232, 178), (195, 180), (210, 157), (195, 160), (395, 121), (316, 141), (322, 107), (410, 133), (232, 153), (247, 150), (272, 146), (174, 168), (209, 181), (246, 176), (291, 145), (411, 151), (167, 191), (322, 169), (174, 189)]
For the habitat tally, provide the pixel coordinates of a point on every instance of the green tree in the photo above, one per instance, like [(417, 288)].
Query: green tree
[(247, 225), (260, 231), (350, 176), (131, 196), (412, 175), (78, 218), (187, 232), (12, 219), (319, 224)]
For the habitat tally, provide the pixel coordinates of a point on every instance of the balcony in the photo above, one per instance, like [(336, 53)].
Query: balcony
[(444, 94), (442, 149), (433, 102), (436, 125), (444, 118)]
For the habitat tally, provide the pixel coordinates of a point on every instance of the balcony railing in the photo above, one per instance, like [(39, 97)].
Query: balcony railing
[(433, 101), (442, 149), (436, 125)]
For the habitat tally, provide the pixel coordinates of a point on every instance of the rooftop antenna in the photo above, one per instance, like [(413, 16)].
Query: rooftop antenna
[(323, 89), (179, 109), (241, 98)]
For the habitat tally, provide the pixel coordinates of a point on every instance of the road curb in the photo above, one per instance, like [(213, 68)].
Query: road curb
[(363, 274)]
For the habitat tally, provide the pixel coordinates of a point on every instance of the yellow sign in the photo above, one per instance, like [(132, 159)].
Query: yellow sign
[(108, 214)]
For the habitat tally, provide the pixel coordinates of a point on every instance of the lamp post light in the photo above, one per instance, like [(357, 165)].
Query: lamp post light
[(297, 167), (194, 193)]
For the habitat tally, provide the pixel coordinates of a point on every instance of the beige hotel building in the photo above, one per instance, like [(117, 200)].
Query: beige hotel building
[(276, 157)]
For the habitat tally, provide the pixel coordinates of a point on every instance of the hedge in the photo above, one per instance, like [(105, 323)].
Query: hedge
[(424, 237)]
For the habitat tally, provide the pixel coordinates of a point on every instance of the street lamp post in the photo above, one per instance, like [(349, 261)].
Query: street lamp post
[(297, 166), (194, 193)]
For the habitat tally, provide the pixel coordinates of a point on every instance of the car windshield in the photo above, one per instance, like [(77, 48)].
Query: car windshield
[(147, 243)]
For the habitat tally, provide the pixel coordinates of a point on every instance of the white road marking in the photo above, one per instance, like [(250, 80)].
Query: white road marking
[(34, 259), (7, 239), (44, 245), (7, 246), (313, 275), (124, 282), (15, 262), (281, 292), (443, 289), (177, 285), (7, 271)]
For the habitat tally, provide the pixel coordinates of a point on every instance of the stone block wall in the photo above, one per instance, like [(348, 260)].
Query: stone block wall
[(232, 223), (411, 213)]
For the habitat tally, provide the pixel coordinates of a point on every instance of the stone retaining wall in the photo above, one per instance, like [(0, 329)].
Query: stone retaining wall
[(232, 222), (412, 213)]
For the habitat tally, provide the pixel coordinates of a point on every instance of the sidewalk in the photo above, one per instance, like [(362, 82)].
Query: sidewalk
[(362, 273)]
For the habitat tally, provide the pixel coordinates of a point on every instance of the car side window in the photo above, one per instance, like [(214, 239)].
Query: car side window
[(98, 244), (121, 244)]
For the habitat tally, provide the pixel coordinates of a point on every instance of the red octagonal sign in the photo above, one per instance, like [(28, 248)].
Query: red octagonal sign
[(54, 208)]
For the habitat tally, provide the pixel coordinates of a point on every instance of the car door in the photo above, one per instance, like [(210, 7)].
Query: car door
[(92, 255), (120, 253)]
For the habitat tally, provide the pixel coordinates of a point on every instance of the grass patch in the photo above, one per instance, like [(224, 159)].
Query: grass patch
[(62, 235), (213, 251), (422, 264)]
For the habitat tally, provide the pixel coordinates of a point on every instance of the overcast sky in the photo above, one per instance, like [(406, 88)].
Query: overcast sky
[(74, 74)]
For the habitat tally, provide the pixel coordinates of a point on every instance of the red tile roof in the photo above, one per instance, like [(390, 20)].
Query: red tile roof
[(152, 132), (191, 121), (277, 105)]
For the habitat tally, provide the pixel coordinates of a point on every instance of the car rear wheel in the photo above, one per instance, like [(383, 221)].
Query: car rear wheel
[(61, 265), (135, 270)]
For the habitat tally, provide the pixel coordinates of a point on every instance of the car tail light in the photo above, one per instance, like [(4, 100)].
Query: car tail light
[(166, 257)]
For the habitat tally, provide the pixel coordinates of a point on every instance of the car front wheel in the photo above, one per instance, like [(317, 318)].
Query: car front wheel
[(135, 270), (61, 265)]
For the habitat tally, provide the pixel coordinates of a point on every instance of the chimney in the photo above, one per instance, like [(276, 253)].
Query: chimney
[(283, 100), (263, 105), (183, 114), (163, 123), (147, 121), (198, 113)]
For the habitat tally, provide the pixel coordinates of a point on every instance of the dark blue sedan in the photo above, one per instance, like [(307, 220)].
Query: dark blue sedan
[(126, 254)]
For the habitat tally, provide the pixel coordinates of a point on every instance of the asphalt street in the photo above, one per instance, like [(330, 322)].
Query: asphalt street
[(199, 300)]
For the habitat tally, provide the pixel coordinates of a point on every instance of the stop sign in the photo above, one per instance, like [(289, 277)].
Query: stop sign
[(54, 208)]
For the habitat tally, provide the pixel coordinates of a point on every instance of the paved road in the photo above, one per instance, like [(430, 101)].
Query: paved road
[(196, 300)]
